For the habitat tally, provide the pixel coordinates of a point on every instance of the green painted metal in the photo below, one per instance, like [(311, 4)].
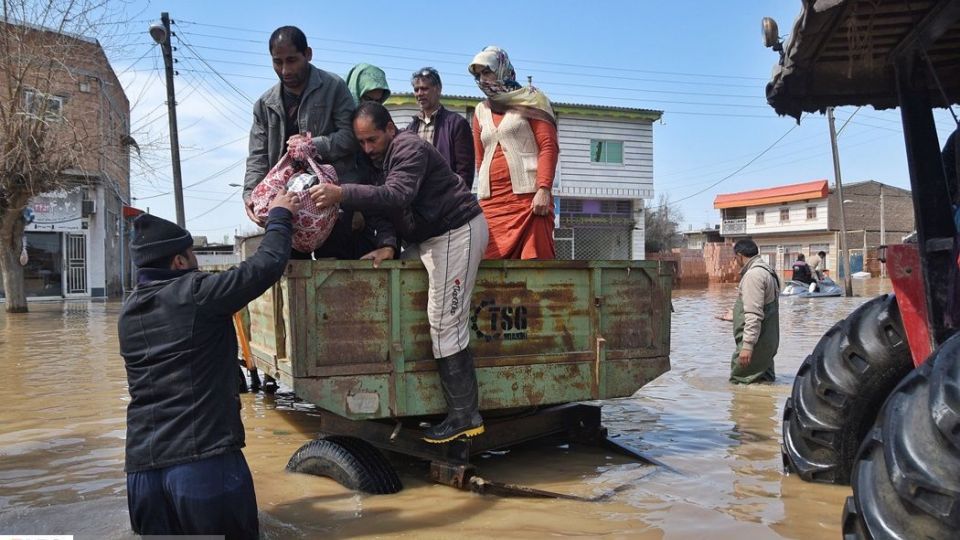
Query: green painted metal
[(355, 340)]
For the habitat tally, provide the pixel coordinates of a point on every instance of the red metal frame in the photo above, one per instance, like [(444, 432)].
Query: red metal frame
[(906, 275)]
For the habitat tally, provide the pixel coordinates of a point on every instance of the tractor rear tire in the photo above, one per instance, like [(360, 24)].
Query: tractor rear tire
[(906, 482), (840, 387), (352, 462)]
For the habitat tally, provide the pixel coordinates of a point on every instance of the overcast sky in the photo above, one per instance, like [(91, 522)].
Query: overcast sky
[(702, 63)]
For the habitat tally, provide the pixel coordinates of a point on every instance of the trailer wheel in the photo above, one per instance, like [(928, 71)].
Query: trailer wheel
[(906, 482), (353, 462), (840, 387)]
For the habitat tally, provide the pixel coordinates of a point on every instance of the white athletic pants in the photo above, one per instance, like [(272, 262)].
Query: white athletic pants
[(451, 259)]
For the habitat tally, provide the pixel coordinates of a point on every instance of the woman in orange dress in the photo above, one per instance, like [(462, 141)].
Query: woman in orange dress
[(515, 134)]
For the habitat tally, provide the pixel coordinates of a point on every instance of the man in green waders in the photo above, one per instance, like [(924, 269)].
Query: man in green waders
[(756, 317)]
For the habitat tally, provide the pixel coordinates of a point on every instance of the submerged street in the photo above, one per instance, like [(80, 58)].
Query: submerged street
[(62, 429)]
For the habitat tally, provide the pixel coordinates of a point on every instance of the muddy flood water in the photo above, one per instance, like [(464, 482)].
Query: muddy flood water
[(63, 398)]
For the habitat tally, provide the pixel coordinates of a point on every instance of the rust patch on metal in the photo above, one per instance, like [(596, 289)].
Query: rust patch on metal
[(354, 325), (574, 378), (534, 394)]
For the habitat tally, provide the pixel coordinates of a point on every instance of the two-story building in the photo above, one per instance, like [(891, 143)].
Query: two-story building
[(76, 246), (604, 175), (805, 218), (697, 239)]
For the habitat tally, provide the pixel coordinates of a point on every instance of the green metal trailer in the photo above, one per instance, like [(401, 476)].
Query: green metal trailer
[(355, 342)]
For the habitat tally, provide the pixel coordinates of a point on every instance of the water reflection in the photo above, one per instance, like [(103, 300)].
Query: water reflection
[(62, 429)]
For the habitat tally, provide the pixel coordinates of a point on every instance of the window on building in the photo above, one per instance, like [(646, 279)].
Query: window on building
[(602, 151), (769, 254), (571, 206), (811, 212), (784, 215), (759, 218), (48, 106), (615, 207)]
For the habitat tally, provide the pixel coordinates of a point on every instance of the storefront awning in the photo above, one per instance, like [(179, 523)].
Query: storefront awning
[(130, 212)]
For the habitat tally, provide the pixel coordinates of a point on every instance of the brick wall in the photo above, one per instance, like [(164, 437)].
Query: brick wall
[(721, 265), (688, 265), (96, 112), (714, 263), (863, 211)]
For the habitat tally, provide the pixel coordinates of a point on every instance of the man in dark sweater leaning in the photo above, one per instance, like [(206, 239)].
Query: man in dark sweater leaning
[(185, 471), (440, 222)]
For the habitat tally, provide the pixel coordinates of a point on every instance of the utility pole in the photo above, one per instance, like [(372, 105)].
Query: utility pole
[(844, 254), (161, 34), (883, 235)]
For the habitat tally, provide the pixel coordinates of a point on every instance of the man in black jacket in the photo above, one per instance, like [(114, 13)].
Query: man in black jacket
[(801, 270), (440, 222), (185, 471)]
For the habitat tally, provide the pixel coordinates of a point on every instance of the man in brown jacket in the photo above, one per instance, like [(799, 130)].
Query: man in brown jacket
[(440, 222)]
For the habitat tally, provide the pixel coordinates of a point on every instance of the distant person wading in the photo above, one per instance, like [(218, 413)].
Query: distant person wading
[(756, 317)]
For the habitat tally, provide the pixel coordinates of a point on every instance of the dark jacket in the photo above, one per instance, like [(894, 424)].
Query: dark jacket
[(325, 110), (802, 273), (453, 138), (416, 190), (180, 350)]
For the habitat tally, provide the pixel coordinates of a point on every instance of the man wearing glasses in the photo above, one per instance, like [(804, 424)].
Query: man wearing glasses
[(447, 131)]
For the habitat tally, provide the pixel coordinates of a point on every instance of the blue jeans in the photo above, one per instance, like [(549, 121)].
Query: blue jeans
[(211, 496)]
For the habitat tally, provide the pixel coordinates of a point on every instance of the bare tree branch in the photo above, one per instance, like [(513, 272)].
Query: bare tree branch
[(53, 136)]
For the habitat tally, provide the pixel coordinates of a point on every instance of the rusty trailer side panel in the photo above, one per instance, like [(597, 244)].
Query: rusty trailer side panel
[(355, 340)]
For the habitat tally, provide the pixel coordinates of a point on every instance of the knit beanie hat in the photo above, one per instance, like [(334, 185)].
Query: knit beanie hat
[(155, 238)]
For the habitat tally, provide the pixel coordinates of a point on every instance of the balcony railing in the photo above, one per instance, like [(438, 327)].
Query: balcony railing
[(733, 226)]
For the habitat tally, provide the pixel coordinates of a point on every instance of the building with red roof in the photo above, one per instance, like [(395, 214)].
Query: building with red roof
[(805, 218)]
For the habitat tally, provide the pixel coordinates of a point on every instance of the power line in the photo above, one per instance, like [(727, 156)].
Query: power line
[(566, 96), (221, 203), (235, 89), (777, 160), (747, 164), (463, 55), (217, 174), (458, 73), (619, 98), (214, 148), (142, 56), (779, 164), (217, 107), (849, 118), (542, 83)]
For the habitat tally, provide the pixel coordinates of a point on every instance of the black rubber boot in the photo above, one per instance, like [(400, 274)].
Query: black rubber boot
[(459, 381)]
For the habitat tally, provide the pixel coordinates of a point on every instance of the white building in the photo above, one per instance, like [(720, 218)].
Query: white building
[(74, 243), (788, 220), (604, 175)]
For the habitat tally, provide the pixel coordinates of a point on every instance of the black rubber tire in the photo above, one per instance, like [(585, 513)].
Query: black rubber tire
[(906, 482), (839, 389), (353, 462)]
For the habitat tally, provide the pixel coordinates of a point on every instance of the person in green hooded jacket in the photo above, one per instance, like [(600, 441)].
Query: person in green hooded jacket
[(756, 317), (368, 83)]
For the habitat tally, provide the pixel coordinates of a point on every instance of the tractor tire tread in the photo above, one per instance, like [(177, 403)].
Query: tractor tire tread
[(839, 388)]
